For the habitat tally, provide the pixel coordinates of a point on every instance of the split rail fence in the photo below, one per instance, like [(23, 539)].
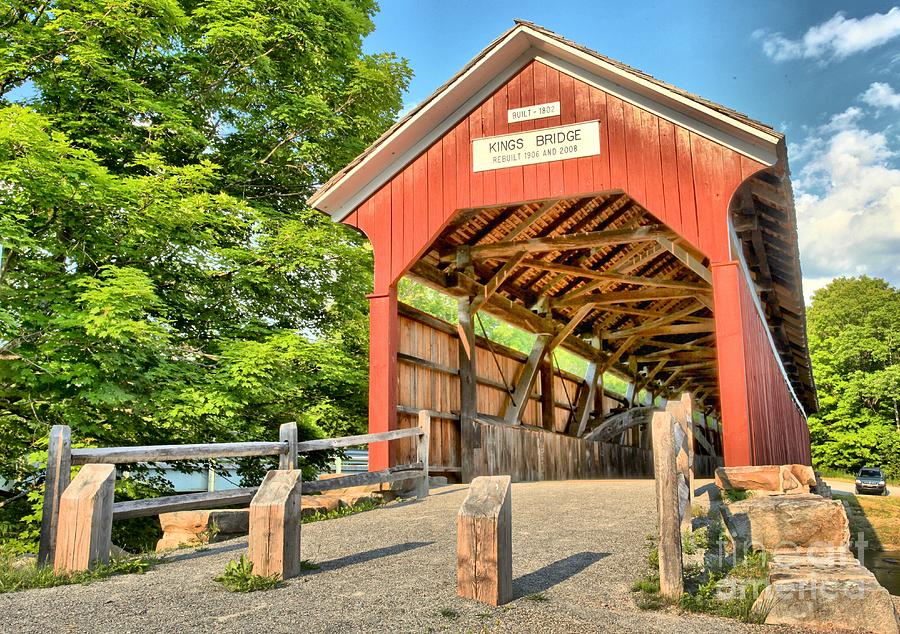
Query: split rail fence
[(61, 458)]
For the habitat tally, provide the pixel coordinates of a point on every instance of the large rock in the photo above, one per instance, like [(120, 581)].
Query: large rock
[(312, 504), (777, 479), (193, 528), (227, 521), (773, 523), (825, 590), (386, 491)]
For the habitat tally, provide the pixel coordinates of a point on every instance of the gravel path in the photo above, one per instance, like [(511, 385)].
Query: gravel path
[(579, 543)]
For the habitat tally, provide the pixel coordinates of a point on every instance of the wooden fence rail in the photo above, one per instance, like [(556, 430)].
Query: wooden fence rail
[(61, 457)]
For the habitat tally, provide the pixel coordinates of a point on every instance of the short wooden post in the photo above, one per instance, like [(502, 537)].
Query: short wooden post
[(422, 449), (288, 433), (664, 468), (83, 538), (484, 542), (59, 467), (274, 541)]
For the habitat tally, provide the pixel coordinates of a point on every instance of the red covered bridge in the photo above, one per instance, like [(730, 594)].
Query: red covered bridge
[(645, 229)]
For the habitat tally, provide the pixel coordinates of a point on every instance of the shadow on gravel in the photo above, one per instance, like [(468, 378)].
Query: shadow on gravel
[(545, 578), (368, 555)]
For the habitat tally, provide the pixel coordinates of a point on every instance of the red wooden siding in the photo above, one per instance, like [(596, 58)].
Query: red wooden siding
[(762, 423), (684, 179)]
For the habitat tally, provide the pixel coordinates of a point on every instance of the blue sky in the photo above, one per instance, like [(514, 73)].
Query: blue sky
[(826, 74)]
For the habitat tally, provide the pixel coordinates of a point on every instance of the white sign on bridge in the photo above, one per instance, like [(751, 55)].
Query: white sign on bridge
[(536, 146), (537, 111)]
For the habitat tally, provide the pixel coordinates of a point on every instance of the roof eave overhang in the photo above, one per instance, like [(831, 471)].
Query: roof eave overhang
[(489, 71)]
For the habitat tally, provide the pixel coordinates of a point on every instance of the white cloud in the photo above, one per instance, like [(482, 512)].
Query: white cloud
[(847, 196), (812, 284), (881, 95), (836, 38)]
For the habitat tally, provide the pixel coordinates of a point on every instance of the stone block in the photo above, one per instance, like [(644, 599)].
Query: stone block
[(825, 590), (767, 479), (312, 504), (350, 499), (773, 523), (194, 528)]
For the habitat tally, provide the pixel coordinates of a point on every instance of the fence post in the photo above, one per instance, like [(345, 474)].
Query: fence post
[(59, 467), (484, 542), (422, 449), (274, 540), (85, 519), (666, 472), (288, 433)]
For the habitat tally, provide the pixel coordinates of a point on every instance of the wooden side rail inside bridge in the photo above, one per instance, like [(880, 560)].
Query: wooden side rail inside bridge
[(61, 458)]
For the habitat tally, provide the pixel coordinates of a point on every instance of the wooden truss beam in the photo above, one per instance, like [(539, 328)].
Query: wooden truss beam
[(494, 284), (686, 258), (523, 226), (468, 388), (461, 285), (588, 240), (518, 400), (620, 297), (586, 399), (670, 329), (657, 323), (547, 265), (616, 425)]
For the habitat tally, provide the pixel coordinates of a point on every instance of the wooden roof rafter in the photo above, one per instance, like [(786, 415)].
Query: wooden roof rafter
[(584, 268), (764, 221)]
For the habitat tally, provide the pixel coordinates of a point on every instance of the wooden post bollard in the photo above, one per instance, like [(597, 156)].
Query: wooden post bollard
[(288, 433), (671, 568), (83, 537), (422, 448), (59, 467), (687, 402), (274, 541), (681, 413), (484, 542)]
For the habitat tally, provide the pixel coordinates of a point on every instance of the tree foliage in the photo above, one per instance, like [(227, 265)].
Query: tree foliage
[(854, 340), (161, 279)]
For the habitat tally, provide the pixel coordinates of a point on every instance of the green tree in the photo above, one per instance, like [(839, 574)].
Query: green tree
[(854, 340), (161, 278)]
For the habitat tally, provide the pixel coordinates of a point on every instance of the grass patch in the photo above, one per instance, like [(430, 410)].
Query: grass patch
[(309, 564), (365, 505), (754, 565), (877, 518), (537, 596), (691, 541), (239, 577), (15, 576), (449, 613), (649, 584), (653, 557), (705, 600), (735, 495), (702, 594)]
